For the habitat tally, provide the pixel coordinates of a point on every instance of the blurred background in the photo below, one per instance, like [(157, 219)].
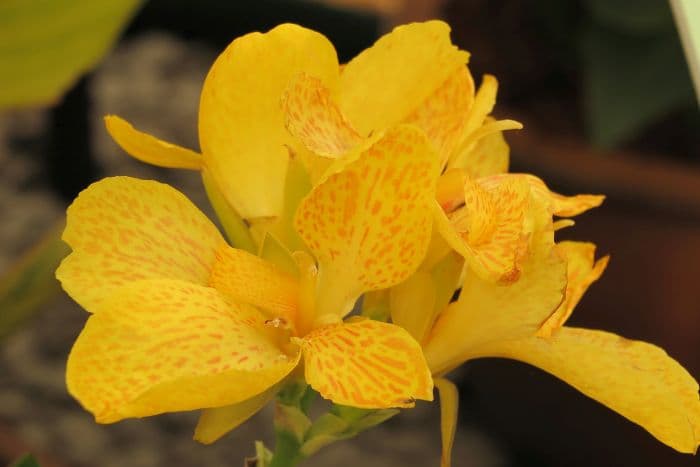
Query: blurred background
[(605, 95)]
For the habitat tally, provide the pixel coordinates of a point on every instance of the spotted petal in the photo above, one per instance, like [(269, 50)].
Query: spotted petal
[(124, 229), (168, 345), (366, 364)]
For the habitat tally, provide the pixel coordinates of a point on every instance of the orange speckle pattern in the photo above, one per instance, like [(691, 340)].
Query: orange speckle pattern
[(369, 225), (244, 277), (123, 229), (367, 364), (312, 116), (167, 345)]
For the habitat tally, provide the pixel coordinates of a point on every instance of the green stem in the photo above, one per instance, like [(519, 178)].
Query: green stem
[(286, 452)]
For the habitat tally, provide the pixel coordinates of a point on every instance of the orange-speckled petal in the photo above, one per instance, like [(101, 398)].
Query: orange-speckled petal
[(150, 149), (167, 345), (637, 380), (581, 270), (312, 116), (489, 155), (244, 277), (369, 225), (443, 114), (241, 124), (366, 364), (384, 84), (124, 229), (491, 312)]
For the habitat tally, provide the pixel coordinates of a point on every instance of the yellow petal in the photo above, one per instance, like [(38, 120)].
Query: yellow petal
[(366, 364), (215, 423), (637, 380), (489, 231), (369, 225), (449, 406), (489, 312), (312, 116), (582, 271), (488, 155), (246, 278), (150, 149), (442, 115), (385, 83), (167, 345), (412, 303), (462, 157), (124, 229), (241, 125)]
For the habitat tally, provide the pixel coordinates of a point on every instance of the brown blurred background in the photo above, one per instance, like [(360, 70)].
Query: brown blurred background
[(604, 93)]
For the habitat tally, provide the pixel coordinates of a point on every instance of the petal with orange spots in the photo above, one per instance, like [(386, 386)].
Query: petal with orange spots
[(150, 149), (582, 270), (241, 124), (384, 84), (366, 364), (244, 277), (636, 379), (369, 224), (168, 345), (312, 116), (123, 229)]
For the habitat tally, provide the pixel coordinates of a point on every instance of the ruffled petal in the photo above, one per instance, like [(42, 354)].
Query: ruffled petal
[(123, 229), (637, 380), (366, 364), (384, 84), (167, 345), (369, 224), (241, 124), (150, 149)]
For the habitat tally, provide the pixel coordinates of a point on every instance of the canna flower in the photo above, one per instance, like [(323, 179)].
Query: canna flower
[(180, 320)]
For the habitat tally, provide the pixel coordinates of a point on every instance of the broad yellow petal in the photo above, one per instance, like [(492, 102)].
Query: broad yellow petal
[(449, 406), (244, 277), (312, 116), (384, 84), (582, 270), (369, 225), (412, 303), (637, 380), (123, 229), (489, 312), (167, 345), (241, 124), (215, 423), (366, 364), (442, 115), (150, 149)]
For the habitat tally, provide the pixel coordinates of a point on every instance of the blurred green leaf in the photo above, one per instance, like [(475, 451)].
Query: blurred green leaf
[(631, 80), (30, 282), (25, 461), (45, 45), (632, 16)]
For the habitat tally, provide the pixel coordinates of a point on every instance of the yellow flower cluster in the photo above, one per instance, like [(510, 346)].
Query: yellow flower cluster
[(383, 178)]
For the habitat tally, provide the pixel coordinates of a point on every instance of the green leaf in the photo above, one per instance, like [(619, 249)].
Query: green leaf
[(635, 17), (31, 281), (25, 461), (46, 45)]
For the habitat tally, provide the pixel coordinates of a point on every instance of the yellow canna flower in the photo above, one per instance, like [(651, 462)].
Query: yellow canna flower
[(181, 320)]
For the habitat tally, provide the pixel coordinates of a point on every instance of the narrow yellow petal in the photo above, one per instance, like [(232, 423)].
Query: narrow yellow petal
[(442, 115), (167, 345), (366, 364), (150, 149), (384, 84), (449, 406), (637, 380), (215, 423), (123, 229), (241, 124), (369, 225), (582, 270), (488, 137), (412, 303), (491, 312), (312, 116), (244, 277)]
